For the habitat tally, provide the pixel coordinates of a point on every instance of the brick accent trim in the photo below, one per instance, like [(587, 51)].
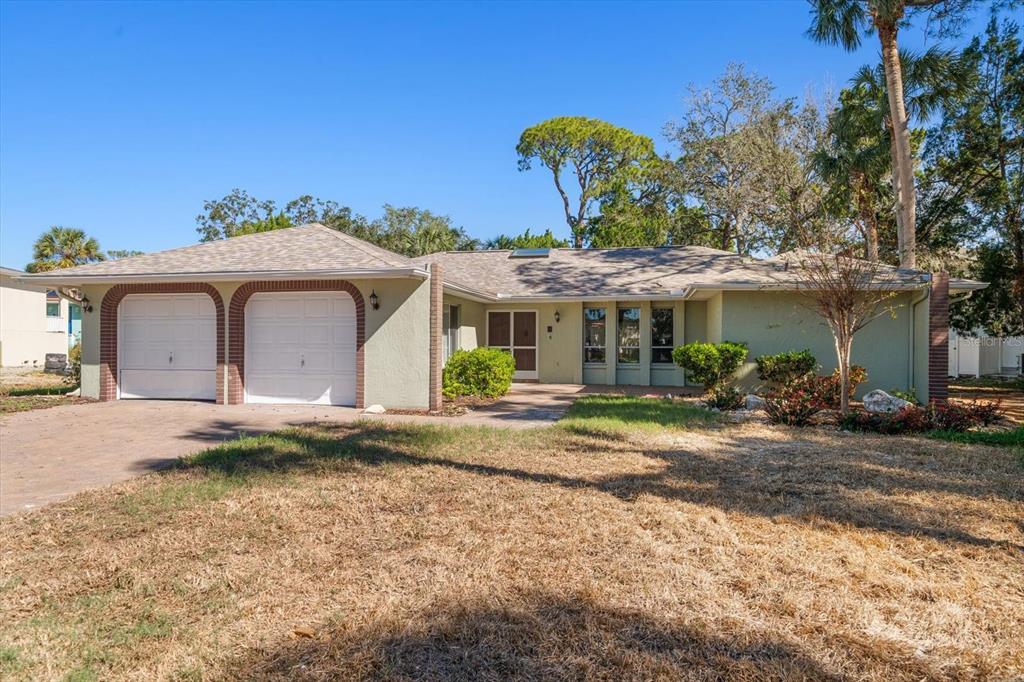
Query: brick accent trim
[(108, 328), (938, 339), (436, 329), (236, 324)]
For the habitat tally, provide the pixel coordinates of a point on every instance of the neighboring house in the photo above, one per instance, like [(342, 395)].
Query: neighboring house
[(34, 321), (312, 315), (981, 355)]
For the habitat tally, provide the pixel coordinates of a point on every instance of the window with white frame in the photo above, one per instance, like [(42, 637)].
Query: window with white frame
[(661, 336), (594, 330), (629, 336)]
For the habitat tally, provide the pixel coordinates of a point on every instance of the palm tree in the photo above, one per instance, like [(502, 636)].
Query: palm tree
[(861, 149), (63, 247), (842, 22)]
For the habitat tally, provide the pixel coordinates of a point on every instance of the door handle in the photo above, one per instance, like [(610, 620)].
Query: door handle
[(170, 358), (302, 361)]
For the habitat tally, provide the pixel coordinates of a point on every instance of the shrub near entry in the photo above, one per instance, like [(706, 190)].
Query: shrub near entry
[(710, 364), (483, 372)]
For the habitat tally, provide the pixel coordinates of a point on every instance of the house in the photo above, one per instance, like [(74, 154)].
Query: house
[(311, 315), (34, 321)]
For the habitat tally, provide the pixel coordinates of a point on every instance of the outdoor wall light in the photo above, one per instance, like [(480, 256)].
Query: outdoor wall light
[(374, 301), (558, 316), (86, 306)]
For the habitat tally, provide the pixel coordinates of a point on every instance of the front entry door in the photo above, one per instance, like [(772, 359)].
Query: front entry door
[(515, 332)]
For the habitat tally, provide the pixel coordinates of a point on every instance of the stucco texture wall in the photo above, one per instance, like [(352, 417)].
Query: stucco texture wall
[(396, 350), (24, 339), (773, 322)]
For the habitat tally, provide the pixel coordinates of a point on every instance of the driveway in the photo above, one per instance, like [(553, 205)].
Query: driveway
[(49, 455)]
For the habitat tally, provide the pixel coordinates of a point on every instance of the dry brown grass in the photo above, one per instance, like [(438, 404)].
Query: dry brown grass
[(736, 552)]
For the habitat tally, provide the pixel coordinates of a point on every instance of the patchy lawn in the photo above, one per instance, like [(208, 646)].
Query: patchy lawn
[(33, 390), (594, 549)]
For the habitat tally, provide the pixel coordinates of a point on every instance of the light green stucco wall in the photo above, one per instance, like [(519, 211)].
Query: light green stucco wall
[(773, 322), (396, 351)]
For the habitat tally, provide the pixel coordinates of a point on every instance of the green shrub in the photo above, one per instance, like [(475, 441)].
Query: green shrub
[(709, 363), (483, 372), (74, 372), (725, 398), (910, 395), (784, 368)]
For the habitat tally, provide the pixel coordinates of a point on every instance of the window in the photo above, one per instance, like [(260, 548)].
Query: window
[(450, 332), (593, 335), (661, 335), (629, 336), (52, 309)]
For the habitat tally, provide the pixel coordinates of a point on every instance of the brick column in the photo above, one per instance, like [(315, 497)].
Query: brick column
[(436, 328), (938, 339)]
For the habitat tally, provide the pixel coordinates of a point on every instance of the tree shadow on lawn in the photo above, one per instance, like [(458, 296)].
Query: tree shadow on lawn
[(537, 636), (795, 478)]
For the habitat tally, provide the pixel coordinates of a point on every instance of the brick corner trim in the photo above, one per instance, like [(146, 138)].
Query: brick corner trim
[(436, 329), (109, 332), (938, 339), (236, 326)]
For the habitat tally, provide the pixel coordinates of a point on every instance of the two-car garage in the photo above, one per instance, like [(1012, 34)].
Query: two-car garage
[(300, 347)]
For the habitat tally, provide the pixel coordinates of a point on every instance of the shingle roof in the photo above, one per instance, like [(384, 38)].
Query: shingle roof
[(607, 273), (312, 247)]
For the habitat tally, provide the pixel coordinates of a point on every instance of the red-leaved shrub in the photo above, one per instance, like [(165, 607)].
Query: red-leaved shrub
[(796, 404), (932, 417)]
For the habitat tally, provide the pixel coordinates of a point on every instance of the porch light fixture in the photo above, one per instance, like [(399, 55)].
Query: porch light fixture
[(374, 301), (558, 316)]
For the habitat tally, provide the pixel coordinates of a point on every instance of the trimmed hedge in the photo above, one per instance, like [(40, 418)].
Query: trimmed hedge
[(483, 372), (783, 368), (710, 363)]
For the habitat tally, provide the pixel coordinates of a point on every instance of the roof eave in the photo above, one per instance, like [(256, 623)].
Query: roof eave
[(55, 278)]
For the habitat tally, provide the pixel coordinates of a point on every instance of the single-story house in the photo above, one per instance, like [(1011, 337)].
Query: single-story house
[(34, 321), (311, 315)]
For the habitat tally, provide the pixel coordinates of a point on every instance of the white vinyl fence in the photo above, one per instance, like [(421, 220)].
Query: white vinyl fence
[(983, 355)]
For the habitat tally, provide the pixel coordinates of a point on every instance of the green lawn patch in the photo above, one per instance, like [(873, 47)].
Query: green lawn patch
[(40, 390), (616, 413), (1009, 439)]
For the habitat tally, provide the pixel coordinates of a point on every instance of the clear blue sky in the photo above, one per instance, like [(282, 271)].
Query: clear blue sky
[(121, 119)]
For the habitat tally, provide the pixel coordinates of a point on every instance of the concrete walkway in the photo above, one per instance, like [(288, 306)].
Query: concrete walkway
[(49, 455)]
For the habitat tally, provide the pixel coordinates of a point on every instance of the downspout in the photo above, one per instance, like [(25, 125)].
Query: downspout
[(912, 365)]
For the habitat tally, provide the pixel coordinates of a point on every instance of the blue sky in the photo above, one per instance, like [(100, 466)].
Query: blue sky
[(121, 119)]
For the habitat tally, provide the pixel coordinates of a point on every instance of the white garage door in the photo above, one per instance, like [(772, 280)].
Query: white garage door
[(167, 346), (300, 348)]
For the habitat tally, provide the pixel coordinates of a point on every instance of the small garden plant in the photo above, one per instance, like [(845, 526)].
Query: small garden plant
[(481, 372), (713, 365), (944, 417)]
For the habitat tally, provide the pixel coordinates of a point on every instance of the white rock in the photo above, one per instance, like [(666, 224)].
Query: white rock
[(754, 402), (880, 402), (374, 409)]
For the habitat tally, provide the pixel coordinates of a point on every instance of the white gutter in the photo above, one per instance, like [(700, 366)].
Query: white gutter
[(54, 278)]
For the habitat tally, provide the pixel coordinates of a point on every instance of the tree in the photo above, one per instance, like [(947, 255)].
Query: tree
[(729, 141), (63, 247), (117, 254), (415, 232), (973, 188), (845, 291), (234, 214), (596, 153), (841, 22), (543, 240)]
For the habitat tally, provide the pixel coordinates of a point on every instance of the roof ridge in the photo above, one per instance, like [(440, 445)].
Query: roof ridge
[(361, 244)]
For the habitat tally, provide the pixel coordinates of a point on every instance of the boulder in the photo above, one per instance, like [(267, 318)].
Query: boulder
[(753, 402), (374, 409), (880, 402)]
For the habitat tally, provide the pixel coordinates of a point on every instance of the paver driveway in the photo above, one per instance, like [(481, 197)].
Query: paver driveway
[(48, 455)]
